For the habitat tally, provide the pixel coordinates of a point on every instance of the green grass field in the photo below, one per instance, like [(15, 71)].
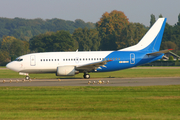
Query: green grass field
[(87, 103), (100, 103), (128, 73)]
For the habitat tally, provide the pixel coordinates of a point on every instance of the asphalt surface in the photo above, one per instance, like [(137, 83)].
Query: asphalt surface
[(89, 82)]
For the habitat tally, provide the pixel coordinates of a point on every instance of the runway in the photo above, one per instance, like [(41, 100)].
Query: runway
[(93, 82)]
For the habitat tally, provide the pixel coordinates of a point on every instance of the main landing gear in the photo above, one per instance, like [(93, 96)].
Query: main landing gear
[(86, 76)]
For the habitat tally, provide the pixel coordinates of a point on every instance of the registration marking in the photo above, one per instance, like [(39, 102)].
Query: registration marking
[(123, 61)]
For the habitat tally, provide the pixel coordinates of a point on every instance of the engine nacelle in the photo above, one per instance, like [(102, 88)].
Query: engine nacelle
[(65, 70)]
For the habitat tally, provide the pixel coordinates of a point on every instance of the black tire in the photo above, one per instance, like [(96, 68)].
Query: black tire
[(27, 78), (86, 76)]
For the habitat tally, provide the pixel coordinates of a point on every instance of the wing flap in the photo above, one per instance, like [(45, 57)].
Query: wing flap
[(92, 66)]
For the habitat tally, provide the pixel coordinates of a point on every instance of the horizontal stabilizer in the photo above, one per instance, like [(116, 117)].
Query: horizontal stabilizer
[(159, 52)]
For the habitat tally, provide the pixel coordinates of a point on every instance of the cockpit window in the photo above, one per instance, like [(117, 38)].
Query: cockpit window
[(18, 59)]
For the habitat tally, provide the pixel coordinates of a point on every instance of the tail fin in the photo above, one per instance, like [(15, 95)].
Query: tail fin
[(152, 39)]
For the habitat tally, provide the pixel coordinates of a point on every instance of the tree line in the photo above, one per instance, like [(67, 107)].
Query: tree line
[(112, 32), (24, 29)]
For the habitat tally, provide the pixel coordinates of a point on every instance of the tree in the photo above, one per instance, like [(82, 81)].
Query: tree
[(160, 16), (14, 47), (153, 20), (168, 31), (7, 42), (110, 27), (62, 41), (171, 58), (127, 37), (24, 29), (4, 56), (178, 20), (37, 44), (131, 35), (88, 39), (169, 45), (52, 41)]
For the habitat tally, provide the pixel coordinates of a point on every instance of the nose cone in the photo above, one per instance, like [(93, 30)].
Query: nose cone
[(12, 66), (8, 66)]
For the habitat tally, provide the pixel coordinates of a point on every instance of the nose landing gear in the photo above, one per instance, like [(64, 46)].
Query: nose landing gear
[(27, 78), (26, 74)]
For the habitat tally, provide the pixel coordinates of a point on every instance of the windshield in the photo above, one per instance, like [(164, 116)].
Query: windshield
[(18, 59)]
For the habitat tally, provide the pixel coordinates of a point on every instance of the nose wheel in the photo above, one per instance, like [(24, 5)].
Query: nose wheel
[(27, 78), (86, 76)]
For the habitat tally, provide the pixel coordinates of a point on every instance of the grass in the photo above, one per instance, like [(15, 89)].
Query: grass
[(90, 102), (128, 73), (102, 103)]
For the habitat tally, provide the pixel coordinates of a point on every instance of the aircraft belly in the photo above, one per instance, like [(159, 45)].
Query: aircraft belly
[(115, 65), (39, 71)]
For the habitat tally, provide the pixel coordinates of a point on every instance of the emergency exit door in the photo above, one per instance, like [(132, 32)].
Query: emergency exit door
[(132, 58), (32, 60)]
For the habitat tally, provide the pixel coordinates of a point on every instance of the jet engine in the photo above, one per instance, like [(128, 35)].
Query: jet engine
[(66, 70)]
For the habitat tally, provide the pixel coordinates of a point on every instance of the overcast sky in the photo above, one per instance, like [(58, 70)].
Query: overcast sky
[(90, 10)]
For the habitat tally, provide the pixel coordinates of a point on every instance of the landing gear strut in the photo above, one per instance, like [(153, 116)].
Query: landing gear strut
[(86, 76)]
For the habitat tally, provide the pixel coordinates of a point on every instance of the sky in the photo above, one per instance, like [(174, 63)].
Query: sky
[(90, 10)]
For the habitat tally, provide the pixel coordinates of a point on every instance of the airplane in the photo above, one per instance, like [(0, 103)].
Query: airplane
[(71, 63)]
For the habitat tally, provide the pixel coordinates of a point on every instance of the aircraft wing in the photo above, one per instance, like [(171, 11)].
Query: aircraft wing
[(92, 66), (159, 52)]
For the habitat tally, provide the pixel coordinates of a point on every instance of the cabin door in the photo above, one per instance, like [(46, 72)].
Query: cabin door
[(33, 60), (132, 58)]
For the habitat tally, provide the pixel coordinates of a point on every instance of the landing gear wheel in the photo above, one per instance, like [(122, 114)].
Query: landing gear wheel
[(86, 76), (27, 78)]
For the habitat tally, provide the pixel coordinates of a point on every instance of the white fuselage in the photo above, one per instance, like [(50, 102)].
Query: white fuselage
[(49, 61)]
